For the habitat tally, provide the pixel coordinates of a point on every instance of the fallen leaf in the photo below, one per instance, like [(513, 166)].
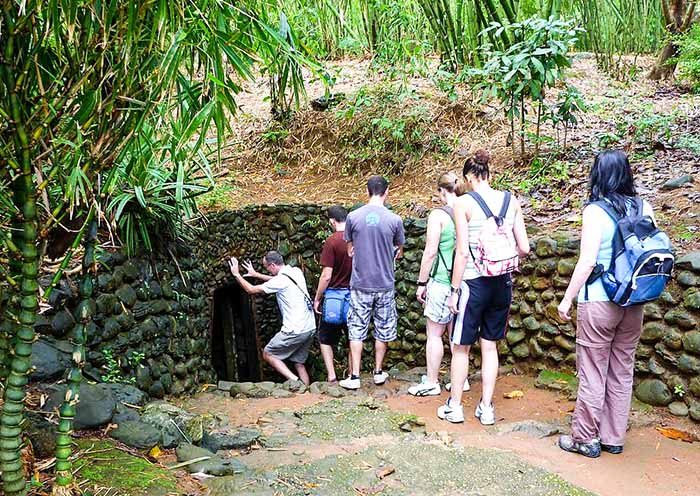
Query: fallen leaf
[(677, 435), (155, 451), (514, 394), (385, 472)]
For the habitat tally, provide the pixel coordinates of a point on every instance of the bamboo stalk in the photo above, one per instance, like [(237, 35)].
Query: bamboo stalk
[(64, 466)]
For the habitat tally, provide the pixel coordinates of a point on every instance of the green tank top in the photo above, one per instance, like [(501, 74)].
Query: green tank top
[(442, 266)]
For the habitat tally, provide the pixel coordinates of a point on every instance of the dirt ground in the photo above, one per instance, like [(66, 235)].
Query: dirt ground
[(651, 465)]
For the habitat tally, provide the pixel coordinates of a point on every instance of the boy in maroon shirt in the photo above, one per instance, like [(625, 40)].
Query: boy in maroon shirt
[(337, 268)]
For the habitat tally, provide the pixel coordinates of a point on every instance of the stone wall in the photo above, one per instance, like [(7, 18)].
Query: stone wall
[(668, 359), (152, 318), (166, 313)]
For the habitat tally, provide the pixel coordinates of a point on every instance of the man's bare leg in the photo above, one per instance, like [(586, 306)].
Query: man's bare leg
[(356, 355), (280, 366), (303, 374), (327, 354), (458, 371), (379, 352)]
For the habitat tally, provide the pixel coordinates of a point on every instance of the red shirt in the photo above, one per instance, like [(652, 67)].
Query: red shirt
[(335, 255)]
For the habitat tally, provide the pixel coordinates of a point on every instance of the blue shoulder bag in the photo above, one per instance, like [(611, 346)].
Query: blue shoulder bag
[(336, 305)]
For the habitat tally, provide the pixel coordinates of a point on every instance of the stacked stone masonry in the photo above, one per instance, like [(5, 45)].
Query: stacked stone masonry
[(151, 318), (169, 321)]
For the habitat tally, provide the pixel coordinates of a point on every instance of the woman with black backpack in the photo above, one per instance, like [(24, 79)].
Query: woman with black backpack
[(624, 261), (488, 248)]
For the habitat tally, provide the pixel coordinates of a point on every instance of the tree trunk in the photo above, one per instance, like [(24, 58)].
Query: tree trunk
[(663, 69)]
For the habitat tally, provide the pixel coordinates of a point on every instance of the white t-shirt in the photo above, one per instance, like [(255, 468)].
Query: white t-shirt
[(297, 318)]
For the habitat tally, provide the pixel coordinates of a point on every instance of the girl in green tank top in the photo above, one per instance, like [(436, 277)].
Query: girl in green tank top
[(442, 266), (433, 285)]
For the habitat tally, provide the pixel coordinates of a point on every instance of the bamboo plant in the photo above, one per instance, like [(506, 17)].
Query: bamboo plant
[(79, 81)]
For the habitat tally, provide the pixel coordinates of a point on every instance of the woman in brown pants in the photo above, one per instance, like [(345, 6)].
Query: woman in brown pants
[(606, 334)]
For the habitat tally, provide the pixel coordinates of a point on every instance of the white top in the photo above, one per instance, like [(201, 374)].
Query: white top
[(292, 299)]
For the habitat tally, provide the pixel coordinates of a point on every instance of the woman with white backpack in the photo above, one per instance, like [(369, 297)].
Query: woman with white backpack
[(488, 248)]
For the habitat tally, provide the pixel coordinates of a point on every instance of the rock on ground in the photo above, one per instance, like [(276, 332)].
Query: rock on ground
[(533, 428), (50, 359), (136, 434), (241, 439), (175, 424), (213, 465), (96, 407)]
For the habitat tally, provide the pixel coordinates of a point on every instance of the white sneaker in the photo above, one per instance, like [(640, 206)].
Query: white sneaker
[(485, 414), (380, 378), (454, 414), (466, 387), (350, 383), (425, 388)]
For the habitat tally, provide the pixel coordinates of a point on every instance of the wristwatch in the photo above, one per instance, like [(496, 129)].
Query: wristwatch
[(457, 291), (421, 283)]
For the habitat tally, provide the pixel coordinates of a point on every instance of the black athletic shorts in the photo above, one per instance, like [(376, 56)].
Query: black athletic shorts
[(486, 310), (330, 334)]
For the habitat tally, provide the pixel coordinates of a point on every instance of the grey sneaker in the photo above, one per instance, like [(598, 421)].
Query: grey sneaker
[(485, 414), (591, 449)]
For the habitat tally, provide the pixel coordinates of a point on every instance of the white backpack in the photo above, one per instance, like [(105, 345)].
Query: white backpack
[(495, 254)]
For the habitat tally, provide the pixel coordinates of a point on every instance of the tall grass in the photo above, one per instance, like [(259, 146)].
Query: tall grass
[(398, 31)]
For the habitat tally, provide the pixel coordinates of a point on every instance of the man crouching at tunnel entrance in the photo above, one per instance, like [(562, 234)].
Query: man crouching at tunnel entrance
[(293, 341)]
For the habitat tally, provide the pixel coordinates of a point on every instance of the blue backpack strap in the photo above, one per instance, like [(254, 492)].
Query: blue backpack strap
[(506, 205), (482, 204), (639, 205), (608, 209), (618, 242), (617, 238)]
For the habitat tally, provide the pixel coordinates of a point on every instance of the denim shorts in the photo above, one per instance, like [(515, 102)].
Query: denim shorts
[(436, 309)]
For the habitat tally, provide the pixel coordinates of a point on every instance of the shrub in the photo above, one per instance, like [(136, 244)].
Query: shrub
[(520, 75), (689, 58)]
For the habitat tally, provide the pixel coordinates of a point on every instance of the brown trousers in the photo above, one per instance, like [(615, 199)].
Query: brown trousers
[(606, 340)]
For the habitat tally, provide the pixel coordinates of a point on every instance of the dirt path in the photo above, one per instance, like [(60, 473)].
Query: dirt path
[(306, 436), (651, 465)]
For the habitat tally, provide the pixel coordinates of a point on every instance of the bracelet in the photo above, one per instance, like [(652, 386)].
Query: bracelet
[(421, 283)]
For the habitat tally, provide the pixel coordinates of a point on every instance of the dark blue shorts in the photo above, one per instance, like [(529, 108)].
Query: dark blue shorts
[(486, 310)]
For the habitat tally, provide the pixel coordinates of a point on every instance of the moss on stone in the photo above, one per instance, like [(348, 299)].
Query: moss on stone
[(556, 380), (106, 466)]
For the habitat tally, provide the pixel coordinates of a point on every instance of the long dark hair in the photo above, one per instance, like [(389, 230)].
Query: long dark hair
[(611, 179)]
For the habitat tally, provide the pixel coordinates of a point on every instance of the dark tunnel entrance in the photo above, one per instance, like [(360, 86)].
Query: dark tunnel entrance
[(235, 347)]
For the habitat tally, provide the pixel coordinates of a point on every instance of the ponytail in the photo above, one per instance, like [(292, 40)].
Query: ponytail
[(452, 184), (478, 165)]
